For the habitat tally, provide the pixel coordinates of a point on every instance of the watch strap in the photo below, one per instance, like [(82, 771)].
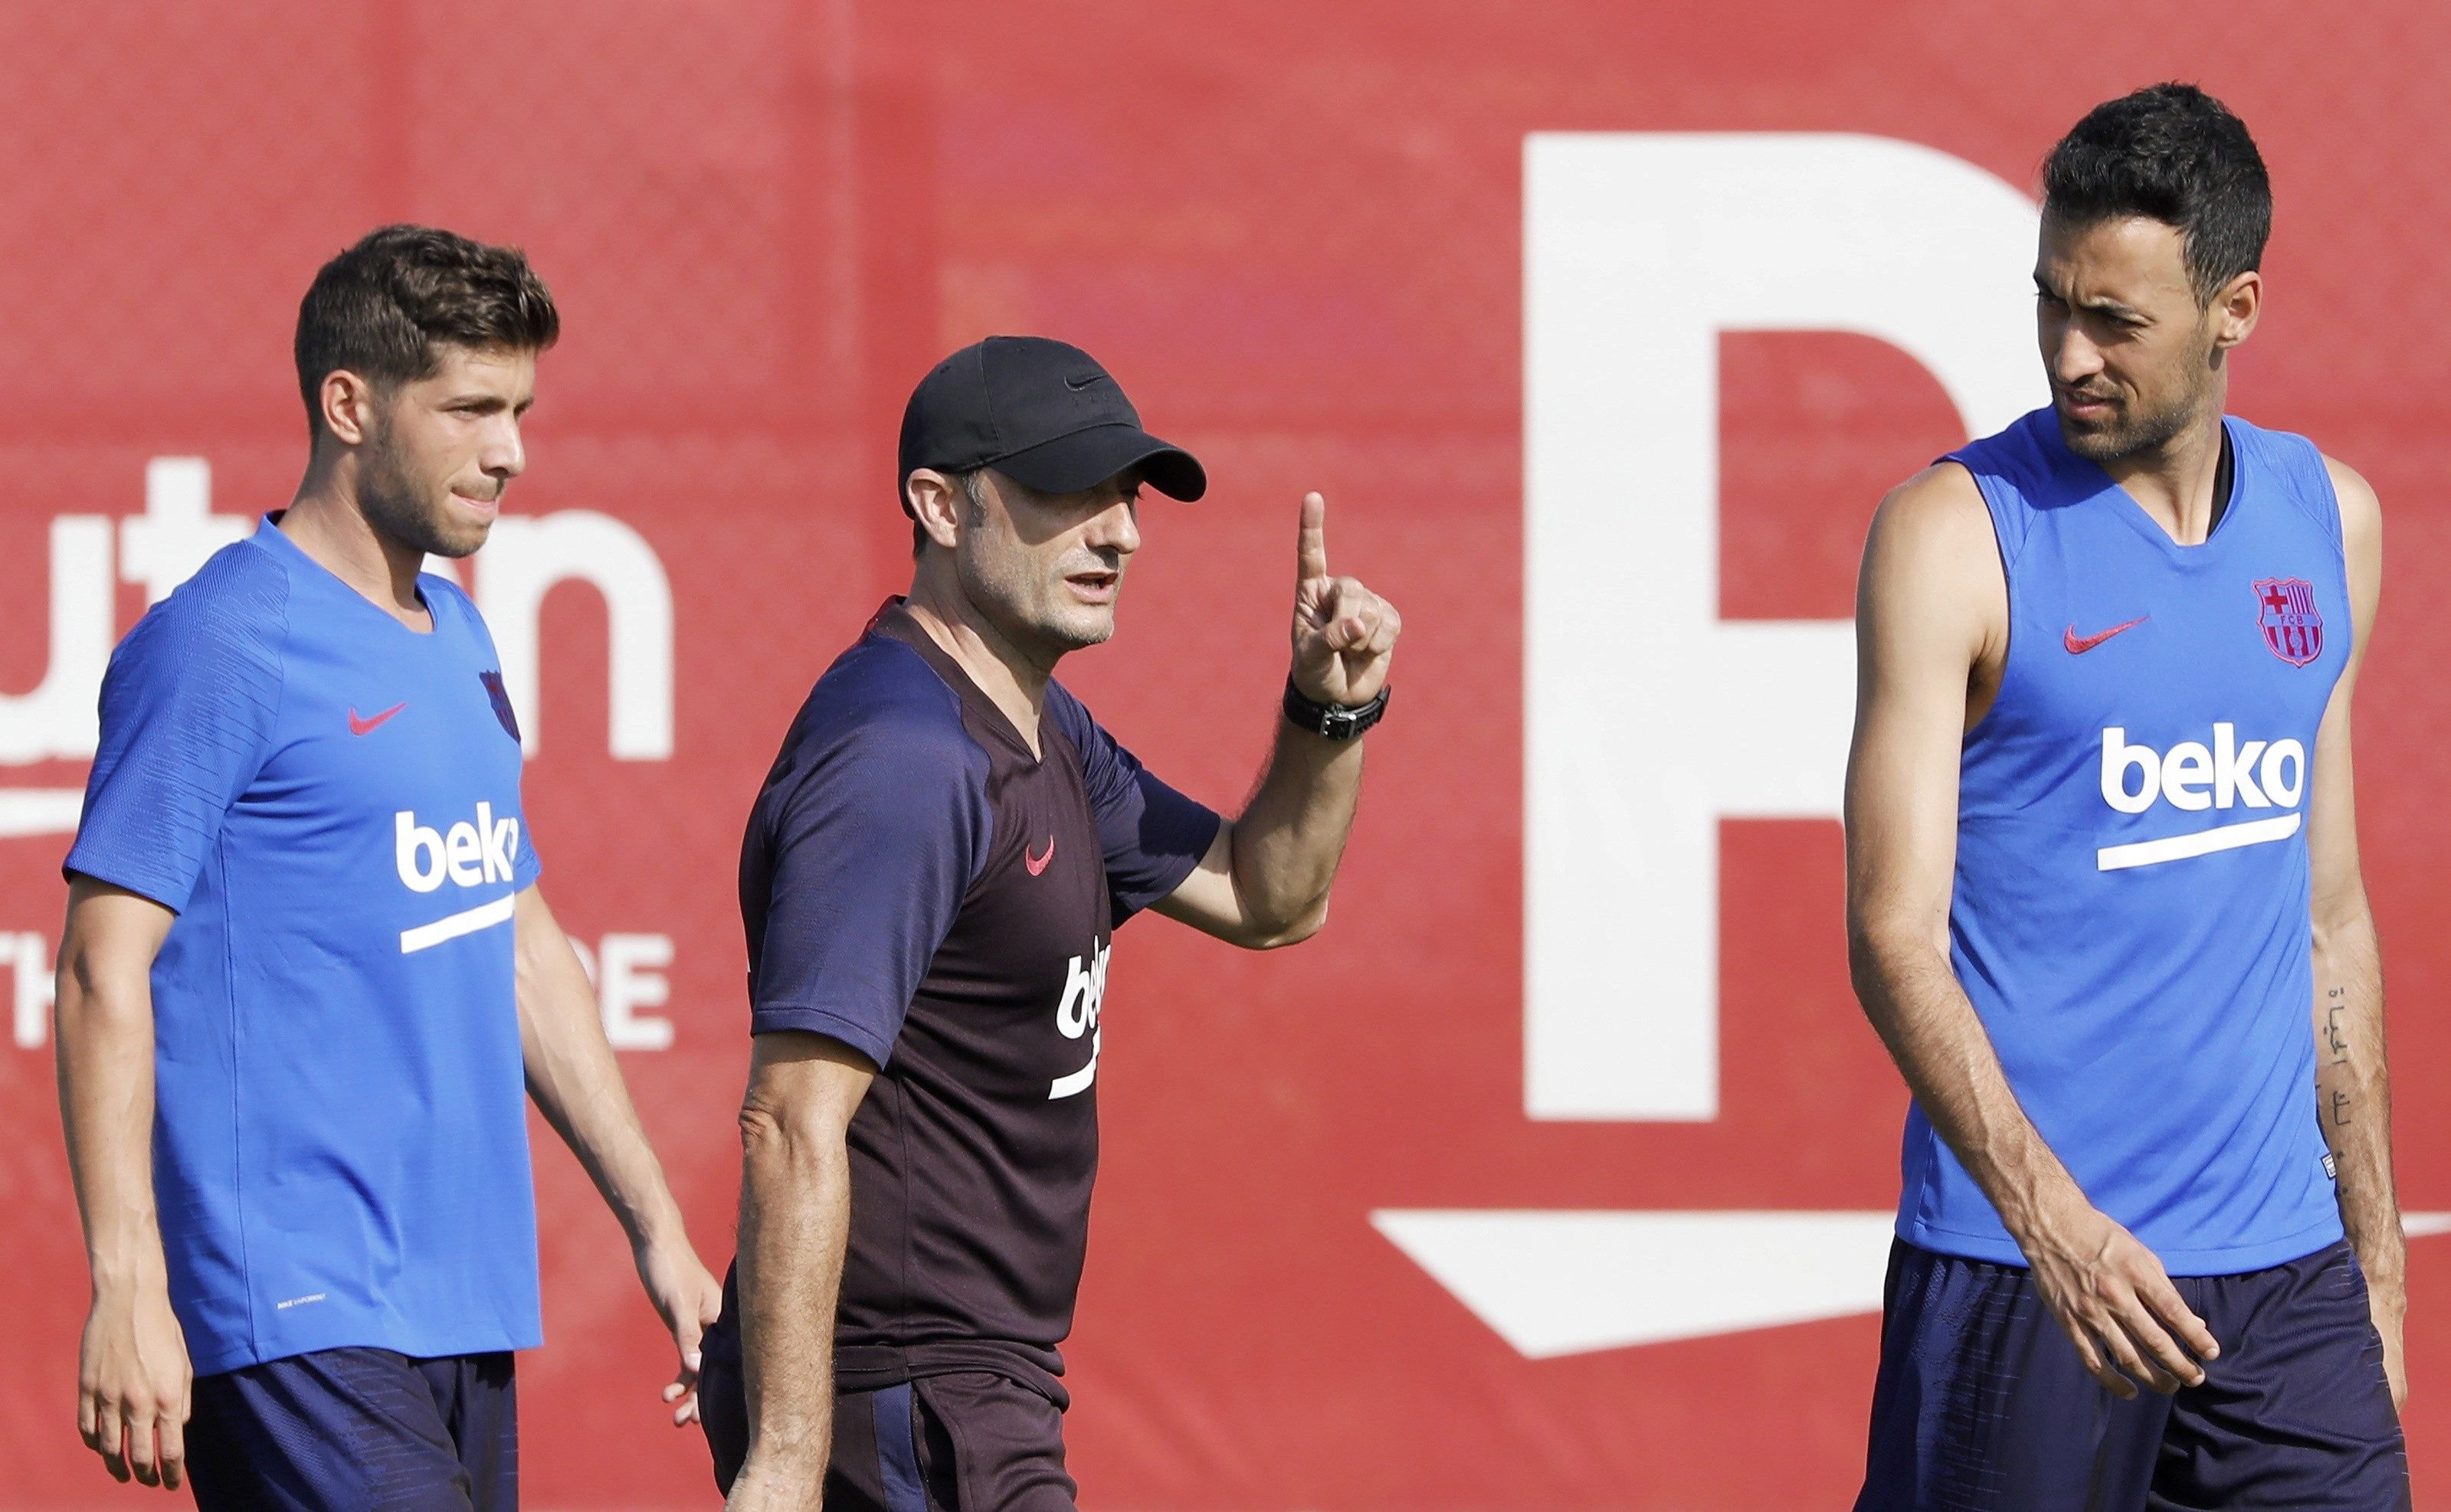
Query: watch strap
[(1333, 721)]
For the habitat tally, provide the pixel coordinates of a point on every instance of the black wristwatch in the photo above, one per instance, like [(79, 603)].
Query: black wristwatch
[(1333, 721)]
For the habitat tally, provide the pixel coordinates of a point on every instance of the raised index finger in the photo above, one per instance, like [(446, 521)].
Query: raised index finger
[(1310, 548)]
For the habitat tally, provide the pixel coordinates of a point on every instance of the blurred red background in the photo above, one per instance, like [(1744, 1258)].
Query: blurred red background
[(1294, 233)]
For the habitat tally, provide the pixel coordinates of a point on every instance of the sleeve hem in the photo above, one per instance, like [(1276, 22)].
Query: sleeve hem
[(1163, 885), (152, 889), (772, 1018)]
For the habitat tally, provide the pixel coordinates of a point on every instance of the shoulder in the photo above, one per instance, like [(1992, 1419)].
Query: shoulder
[(2361, 509), (232, 615), (1932, 567), (1934, 518), (881, 705), (2360, 538), (2023, 443), (2326, 490)]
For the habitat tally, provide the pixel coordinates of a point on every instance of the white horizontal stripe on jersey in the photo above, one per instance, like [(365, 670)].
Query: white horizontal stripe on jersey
[(468, 921), (2203, 842)]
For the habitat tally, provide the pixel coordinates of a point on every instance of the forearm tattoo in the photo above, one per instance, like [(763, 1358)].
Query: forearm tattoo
[(2336, 1044)]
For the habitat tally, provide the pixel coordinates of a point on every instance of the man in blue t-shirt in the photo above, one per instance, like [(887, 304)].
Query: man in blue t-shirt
[(306, 970)]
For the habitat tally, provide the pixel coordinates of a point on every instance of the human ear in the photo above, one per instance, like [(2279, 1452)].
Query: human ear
[(935, 501), (2237, 308)]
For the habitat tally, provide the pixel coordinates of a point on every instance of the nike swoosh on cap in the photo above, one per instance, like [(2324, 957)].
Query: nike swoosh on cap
[(2078, 644)]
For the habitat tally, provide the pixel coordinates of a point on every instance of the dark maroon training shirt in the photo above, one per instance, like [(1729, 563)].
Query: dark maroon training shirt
[(919, 887)]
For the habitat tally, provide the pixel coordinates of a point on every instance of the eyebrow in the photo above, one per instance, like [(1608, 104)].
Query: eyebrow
[(2101, 304)]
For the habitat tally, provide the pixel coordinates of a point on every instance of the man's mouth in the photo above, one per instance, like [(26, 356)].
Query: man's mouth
[(2086, 406), (486, 507), (1096, 585)]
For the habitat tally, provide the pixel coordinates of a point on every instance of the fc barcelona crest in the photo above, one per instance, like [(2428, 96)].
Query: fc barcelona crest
[(494, 690), (2293, 628)]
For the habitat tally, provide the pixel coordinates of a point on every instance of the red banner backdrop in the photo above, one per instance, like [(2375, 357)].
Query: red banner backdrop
[(1353, 1249)]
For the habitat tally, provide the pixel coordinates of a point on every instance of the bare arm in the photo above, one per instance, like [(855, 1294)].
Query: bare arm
[(1932, 624), (577, 1084), (132, 1368), (2352, 1079), (1265, 878), (794, 1222)]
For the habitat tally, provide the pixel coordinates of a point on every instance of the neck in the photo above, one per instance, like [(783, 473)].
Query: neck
[(1014, 678), (2174, 481), (325, 521)]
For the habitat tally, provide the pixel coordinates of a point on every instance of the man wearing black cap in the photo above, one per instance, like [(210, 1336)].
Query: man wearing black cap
[(930, 882)]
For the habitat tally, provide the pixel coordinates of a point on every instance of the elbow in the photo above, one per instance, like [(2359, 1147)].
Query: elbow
[(87, 996), (789, 1140), (770, 1136), (2346, 923), (1275, 935), (1863, 958), (1878, 947)]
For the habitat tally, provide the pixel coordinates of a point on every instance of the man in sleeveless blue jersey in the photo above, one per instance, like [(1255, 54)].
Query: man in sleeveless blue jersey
[(306, 970), (931, 882), (2102, 865)]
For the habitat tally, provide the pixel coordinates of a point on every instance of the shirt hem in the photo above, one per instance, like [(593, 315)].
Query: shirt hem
[(417, 1347), (2218, 1261)]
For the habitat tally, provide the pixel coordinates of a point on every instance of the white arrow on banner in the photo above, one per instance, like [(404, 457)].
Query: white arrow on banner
[(1564, 1283)]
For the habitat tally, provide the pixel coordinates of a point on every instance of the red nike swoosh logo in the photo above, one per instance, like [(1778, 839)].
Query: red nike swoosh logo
[(363, 727), (2079, 645), (1038, 863)]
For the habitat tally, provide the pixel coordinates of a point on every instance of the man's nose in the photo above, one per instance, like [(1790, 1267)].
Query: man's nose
[(1115, 528), (505, 455), (2073, 357)]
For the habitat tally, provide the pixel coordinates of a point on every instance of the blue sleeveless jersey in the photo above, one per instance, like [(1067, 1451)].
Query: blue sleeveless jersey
[(2130, 912)]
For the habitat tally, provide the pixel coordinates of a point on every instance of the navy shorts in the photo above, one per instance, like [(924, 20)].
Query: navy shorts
[(1981, 1401), (971, 1440), (357, 1430)]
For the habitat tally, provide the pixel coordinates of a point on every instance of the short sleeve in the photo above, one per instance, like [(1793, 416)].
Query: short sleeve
[(1153, 836), (187, 712), (859, 853)]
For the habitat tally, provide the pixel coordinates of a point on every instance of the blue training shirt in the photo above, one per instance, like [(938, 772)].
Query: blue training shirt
[(2130, 916), (329, 801)]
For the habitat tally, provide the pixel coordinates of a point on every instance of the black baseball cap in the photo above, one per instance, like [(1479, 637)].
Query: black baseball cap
[(1042, 413)]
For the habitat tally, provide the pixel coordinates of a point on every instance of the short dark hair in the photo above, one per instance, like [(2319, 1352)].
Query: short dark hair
[(2174, 154), (380, 308)]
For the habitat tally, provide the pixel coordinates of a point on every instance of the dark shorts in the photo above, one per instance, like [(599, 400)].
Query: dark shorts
[(357, 1430), (1981, 1402), (969, 1441)]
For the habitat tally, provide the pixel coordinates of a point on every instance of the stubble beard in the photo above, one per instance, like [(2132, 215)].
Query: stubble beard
[(1034, 622), (2130, 435), (399, 504)]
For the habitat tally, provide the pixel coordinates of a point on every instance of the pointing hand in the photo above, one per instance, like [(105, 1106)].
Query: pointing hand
[(1344, 635)]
